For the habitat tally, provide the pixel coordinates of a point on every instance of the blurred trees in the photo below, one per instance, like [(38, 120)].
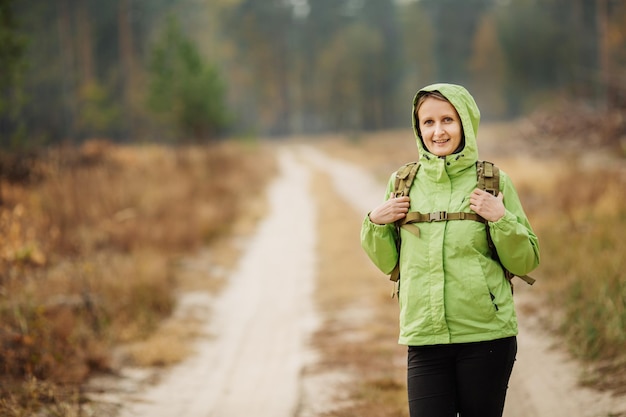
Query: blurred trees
[(12, 65), (548, 57), (78, 69), (183, 91), (452, 45), (263, 32)]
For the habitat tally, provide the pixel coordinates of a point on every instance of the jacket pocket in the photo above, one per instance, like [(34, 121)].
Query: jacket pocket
[(484, 296), (469, 298)]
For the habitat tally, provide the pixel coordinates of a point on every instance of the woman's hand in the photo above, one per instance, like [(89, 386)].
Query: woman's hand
[(486, 205), (391, 210)]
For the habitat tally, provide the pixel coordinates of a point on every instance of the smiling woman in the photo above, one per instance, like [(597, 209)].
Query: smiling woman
[(439, 124), (456, 308)]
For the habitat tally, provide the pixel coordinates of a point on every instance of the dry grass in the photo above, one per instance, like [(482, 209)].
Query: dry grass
[(583, 249), (94, 253), (360, 319)]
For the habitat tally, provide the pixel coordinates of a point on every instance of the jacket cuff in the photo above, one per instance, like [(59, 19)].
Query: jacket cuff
[(375, 227), (505, 220)]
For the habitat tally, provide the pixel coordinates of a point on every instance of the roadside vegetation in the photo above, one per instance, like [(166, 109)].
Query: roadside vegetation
[(585, 269), (90, 243)]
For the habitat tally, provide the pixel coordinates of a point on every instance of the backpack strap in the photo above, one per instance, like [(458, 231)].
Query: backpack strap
[(404, 179), (437, 216), (488, 179)]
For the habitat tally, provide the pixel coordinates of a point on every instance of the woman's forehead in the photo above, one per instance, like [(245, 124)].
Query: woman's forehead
[(433, 106)]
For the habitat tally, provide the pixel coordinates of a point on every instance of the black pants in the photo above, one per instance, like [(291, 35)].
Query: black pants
[(466, 378)]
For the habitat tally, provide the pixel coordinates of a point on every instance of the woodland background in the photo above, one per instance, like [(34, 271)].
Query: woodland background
[(197, 70)]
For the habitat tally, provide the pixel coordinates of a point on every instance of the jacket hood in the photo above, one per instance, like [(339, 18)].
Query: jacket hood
[(469, 113)]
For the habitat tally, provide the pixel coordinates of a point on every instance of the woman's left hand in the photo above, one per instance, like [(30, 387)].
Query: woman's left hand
[(486, 205)]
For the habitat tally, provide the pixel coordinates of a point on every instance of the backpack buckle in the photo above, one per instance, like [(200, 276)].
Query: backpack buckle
[(438, 216)]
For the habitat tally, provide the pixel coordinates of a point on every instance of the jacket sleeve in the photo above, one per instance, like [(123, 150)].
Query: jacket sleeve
[(515, 241), (379, 241)]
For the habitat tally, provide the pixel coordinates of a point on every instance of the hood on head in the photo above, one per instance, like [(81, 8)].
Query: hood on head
[(465, 106)]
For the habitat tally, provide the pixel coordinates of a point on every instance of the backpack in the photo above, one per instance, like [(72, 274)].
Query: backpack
[(488, 179)]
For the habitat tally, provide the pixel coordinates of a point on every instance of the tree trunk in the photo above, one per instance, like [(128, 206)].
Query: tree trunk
[(84, 44), (68, 63), (604, 54), (127, 57)]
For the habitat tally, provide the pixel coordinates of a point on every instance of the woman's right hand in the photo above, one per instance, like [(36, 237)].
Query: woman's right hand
[(391, 210)]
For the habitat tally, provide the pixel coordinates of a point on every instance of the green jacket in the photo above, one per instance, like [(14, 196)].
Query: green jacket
[(451, 289)]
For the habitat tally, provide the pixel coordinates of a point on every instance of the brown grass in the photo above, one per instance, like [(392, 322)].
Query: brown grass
[(583, 248), (359, 318), (93, 255)]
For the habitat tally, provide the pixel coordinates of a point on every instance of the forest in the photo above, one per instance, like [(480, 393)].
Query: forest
[(195, 71)]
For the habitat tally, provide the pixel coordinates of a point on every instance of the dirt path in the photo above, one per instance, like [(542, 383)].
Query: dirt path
[(250, 365), (260, 325), (545, 379)]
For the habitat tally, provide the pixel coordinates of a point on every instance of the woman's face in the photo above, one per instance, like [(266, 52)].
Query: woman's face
[(440, 126)]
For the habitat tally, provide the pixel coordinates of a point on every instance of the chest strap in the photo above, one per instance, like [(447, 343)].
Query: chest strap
[(437, 216)]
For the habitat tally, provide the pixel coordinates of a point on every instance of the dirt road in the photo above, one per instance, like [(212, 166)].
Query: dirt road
[(260, 325)]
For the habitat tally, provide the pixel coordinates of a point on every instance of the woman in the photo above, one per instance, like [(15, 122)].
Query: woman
[(456, 307)]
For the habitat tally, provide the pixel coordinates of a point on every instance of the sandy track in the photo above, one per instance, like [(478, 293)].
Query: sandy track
[(545, 378), (260, 324), (252, 363)]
